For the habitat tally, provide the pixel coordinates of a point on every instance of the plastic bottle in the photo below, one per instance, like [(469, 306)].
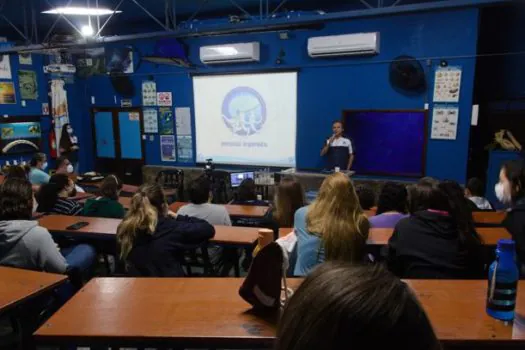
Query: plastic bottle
[(503, 282)]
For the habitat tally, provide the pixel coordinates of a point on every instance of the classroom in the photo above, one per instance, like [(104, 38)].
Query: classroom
[(262, 174)]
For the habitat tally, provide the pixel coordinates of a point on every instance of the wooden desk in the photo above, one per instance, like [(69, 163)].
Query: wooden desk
[(125, 201), (17, 285), (207, 312), (245, 211), (480, 217), (100, 228), (82, 197)]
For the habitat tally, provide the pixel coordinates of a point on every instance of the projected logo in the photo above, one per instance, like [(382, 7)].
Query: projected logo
[(244, 111)]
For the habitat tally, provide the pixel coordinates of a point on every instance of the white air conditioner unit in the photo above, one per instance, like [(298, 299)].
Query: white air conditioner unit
[(231, 53), (344, 45)]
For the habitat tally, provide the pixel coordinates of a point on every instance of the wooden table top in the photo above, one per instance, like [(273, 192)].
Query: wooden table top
[(209, 312), (125, 201), (107, 229), (380, 236), (247, 211), (17, 285)]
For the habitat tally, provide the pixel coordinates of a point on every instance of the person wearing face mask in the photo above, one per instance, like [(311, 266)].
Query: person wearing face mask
[(510, 191), (69, 146), (54, 196), (37, 174), (65, 167)]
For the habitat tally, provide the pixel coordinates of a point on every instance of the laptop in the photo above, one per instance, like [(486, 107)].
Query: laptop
[(237, 178)]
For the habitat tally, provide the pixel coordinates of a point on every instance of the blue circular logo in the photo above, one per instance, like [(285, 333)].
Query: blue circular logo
[(244, 111)]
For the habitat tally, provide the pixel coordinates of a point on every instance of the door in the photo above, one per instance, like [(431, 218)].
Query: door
[(119, 148)]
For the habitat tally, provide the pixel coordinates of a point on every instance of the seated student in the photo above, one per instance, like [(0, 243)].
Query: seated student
[(64, 166), (392, 206), (475, 193), (339, 306), (247, 194), (26, 245), (200, 196), (16, 172), (289, 197), (37, 174), (510, 191), (366, 195), (106, 205), (333, 227), (151, 238), (435, 241), (54, 196)]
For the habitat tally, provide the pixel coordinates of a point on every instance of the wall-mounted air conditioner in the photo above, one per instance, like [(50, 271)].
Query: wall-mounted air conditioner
[(231, 53), (344, 45)]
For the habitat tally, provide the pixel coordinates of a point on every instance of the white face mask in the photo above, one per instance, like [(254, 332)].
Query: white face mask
[(70, 169), (44, 166), (503, 193), (69, 131)]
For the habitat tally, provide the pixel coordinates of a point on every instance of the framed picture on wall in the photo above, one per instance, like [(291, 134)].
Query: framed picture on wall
[(7, 93)]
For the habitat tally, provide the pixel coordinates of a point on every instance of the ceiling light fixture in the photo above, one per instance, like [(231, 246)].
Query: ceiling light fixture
[(87, 31), (80, 11)]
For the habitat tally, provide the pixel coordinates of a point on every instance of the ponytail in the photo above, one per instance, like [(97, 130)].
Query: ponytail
[(146, 206)]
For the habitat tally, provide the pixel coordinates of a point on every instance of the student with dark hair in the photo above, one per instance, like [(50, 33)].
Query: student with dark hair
[(64, 166), (151, 238), (37, 174), (26, 245), (510, 190), (391, 207), (69, 146), (54, 196), (363, 308), (366, 195), (16, 172), (200, 206), (475, 192), (435, 241), (289, 197), (106, 205), (247, 194)]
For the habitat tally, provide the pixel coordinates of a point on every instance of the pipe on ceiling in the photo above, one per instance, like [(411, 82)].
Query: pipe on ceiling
[(266, 25)]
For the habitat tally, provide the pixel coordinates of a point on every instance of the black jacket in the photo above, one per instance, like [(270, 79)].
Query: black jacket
[(428, 245), (515, 224), (160, 254)]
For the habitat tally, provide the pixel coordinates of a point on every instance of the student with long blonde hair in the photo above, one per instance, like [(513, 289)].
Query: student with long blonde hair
[(333, 227), (151, 239)]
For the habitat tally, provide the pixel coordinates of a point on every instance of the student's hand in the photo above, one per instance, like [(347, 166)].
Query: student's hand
[(331, 139), (172, 214)]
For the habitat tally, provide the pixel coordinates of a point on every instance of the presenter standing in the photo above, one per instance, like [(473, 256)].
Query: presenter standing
[(338, 149)]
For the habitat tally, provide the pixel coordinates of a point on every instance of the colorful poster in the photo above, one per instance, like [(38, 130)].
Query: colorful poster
[(167, 148), (151, 122), (28, 85), (45, 108), (185, 149), (164, 99), (447, 84), (134, 116), (25, 58), (183, 121), (166, 121), (5, 67), (7, 93), (149, 93), (445, 123)]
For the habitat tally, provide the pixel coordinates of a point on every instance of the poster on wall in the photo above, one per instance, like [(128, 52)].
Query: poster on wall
[(45, 108), (183, 121), (28, 85), (164, 99), (185, 149), (149, 93), (445, 123), (166, 121), (151, 123), (167, 148), (447, 84), (5, 67), (25, 59), (7, 93)]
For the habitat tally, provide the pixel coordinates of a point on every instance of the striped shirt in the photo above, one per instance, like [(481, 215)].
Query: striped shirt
[(66, 206)]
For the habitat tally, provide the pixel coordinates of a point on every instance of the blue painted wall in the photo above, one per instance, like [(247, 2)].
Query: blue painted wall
[(326, 86), (33, 107)]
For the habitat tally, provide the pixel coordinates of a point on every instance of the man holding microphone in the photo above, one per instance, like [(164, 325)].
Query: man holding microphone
[(338, 149)]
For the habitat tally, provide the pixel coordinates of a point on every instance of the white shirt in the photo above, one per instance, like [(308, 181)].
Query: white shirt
[(343, 142)]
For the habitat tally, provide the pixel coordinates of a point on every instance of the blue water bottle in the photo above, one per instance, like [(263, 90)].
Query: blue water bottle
[(503, 282)]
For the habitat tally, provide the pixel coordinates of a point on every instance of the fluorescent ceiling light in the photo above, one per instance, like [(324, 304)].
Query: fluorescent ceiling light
[(87, 30), (81, 11)]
